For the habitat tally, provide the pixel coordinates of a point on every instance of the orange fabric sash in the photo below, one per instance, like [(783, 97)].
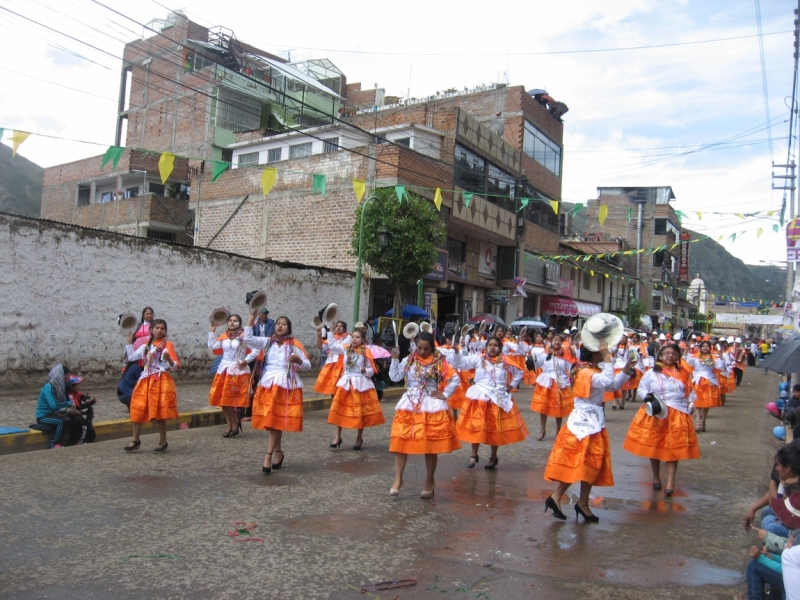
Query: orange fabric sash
[(583, 382)]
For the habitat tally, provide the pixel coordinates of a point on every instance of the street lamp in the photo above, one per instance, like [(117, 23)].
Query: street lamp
[(384, 236)]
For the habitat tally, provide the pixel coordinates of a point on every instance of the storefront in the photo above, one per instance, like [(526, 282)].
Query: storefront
[(564, 313)]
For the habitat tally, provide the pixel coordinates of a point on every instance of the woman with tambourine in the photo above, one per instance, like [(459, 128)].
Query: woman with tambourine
[(582, 451), (705, 367), (230, 389), (355, 404), (141, 334), (552, 392), (662, 429)]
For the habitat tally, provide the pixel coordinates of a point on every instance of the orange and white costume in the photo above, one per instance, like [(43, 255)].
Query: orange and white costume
[(231, 385), (456, 399), (552, 394), (331, 371), (154, 397), (278, 401), (674, 437), (423, 424), (355, 404), (704, 378), (620, 359), (582, 451), (489, 414)]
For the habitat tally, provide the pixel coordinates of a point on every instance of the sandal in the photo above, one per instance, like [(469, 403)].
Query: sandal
[(133, 445), (162, 447)]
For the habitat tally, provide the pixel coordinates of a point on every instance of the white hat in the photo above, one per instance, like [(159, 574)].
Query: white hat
[(127, 323), (359, 325), (661, 336), (694, 336), (738, 340), (730, 339), (678, 335), (566, 331), (655, 407), (602, 327), (219, 316)]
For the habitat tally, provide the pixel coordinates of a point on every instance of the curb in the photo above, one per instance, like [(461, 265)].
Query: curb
[(112, 430)]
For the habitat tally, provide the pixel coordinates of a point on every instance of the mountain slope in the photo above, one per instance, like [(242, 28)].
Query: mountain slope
[(723, 273), (20, 184)]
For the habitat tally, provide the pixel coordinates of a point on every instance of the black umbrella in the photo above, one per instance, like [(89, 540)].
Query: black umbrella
[(786, 358)]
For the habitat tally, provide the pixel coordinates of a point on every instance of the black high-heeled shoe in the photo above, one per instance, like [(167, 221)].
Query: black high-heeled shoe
[(227, 434), (473, 460), (668, 492), (337, 444), (133, 446), (358, 447), (267, 470), (236, 431), (551, 504), (586, 518), (278, 465), (492, 463)]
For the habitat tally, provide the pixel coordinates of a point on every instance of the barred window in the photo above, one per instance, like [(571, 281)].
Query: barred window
[(331, 145), (274, 155), (251, 158), (300, 150)]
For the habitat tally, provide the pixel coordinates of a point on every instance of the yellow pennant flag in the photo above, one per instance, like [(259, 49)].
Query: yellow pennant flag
[(602, 214), (166, 163), (720, 238), (771, 212), (740, 215), (699, 216), (759, 232), (268, 179), (17, 137), (554, 205), (591, 272), (437, 199), (359, 187)]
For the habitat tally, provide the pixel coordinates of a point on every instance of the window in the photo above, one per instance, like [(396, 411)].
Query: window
[(656, 300), (455, 249), (195, 62), (84, 195), (132, 192), (164, 236), (106, 197), (157, 189), (330, 145), (539, 210), (660, 227), (470, 170), (300, 150), (541, 149), (660, 258), (586, 279), (274, 155), (404, 141), (251, 158), (500, 188), (237, 112)]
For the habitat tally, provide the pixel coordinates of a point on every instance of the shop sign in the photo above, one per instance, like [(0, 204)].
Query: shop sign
[(497, 296), (438, 273), (565, 287), (457, 269), (683, 261), (487, 261)]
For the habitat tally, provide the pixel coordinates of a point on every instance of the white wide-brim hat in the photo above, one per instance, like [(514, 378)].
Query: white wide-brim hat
[(127, 323), (601, 327), (219, 316), (655, 407)]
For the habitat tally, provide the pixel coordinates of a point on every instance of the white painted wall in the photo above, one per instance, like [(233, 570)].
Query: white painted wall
[(64, 286)]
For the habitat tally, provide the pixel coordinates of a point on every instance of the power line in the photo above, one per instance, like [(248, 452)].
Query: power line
[(763, 73)]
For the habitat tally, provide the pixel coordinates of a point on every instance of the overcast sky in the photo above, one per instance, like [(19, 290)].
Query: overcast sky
[(634, 114)]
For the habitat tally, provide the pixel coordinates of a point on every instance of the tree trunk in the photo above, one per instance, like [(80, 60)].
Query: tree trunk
[(397, 308)]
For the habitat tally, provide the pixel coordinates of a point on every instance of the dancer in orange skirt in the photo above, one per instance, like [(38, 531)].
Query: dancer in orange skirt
[(331, 371), (278, 402), (552, 394), (727, 380), (490, 415), (620, 356), (530, 375), (582, 451), (423, 423), (667, 434), (456, 399), (706, 384), (154, 397), (355, 404), (231, 386), (629, 388)]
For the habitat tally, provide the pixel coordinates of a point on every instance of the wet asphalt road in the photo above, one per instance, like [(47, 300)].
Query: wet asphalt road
[(95, 522)]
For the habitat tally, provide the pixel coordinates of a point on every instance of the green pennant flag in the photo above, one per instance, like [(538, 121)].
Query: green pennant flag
[(319, 184), (220, 166), (681, 216), (1, 133), (630, 213), (577, 209), (400, 190), (113, 154), (467, 197), (775, 228), (732, 237), (523, 203)]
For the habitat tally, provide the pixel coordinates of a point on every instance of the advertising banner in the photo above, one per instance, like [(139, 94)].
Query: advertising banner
[(487, 261), (683, 261), (439, 272)]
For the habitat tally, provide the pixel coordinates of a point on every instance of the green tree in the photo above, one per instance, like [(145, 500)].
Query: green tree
[(636, 310), (415, 230)]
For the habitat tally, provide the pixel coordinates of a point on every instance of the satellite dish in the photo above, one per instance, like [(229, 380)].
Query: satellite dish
[(497, 128)]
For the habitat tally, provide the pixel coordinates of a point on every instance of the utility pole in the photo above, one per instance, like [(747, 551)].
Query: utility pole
[(789, 184)]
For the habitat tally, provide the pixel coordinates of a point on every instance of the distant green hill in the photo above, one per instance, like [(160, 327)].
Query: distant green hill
[(20, 184), (723, 273)]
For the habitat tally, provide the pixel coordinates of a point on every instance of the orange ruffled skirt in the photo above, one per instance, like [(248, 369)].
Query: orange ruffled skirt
[(529, 377), (727, 384), (616, 395), (328, 378), (278, 408), (483, 422), (230, 390), (708, 394), (633, 382), (574, 460), (668, 439), (456, 399), (417, 432), (552, 401), (154, 399), (352, 409)]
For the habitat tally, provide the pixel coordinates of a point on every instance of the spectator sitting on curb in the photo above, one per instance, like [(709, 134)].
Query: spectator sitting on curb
[(82, 426), (786, 470), (54, 409)]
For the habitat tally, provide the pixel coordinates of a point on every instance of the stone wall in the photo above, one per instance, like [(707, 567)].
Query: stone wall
[(64, 286)]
